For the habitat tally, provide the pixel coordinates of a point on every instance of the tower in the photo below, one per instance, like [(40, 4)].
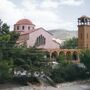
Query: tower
[(84, 32)]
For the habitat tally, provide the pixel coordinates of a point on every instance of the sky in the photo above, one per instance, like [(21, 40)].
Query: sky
[(49, 14)]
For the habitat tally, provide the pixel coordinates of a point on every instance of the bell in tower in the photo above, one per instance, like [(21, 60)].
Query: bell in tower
[(84, 20), (84, 32)]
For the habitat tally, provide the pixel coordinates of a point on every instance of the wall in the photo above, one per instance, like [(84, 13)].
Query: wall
[(49, 42), (84, 42)]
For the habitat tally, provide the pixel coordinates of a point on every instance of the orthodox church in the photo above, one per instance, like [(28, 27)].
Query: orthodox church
[(34, 37)]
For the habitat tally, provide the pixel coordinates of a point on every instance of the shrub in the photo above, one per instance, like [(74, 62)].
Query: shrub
[(4, 71), (85, 59), (68, 72), (23, 80)]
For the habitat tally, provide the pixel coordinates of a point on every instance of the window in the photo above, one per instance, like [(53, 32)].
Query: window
[(32, 27), (87, 35), (29, 28), (44, 40), (22, 27), (81, 35), (41, 40), (87, 45), (17, 27)]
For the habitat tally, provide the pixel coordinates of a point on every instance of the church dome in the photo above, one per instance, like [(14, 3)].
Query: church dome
[(24, 22)]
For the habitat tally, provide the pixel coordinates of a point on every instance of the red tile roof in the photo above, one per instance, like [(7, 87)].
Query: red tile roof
[(24, 22)]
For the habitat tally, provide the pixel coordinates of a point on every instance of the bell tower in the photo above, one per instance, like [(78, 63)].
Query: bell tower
[(84, 32)]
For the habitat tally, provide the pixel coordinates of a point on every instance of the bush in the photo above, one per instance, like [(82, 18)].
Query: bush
[(23, 80), (4, 71), (74, 72), (68, 72), (85, 59)]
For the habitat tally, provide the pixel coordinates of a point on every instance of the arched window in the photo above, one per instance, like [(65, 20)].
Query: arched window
[(22, 27), (87, 35), (28, 27), (81, 36), (75, 55), (17, 27), (44, 40), (41, 40), (54, 54), (87, 45)]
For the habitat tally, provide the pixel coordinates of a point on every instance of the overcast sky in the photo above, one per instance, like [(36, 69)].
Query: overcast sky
[(49, 14)]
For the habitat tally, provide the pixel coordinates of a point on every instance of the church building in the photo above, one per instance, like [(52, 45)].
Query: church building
[(34, 37)]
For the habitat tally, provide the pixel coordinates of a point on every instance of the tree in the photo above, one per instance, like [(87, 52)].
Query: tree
[(7, 40), (70, 44), (5, 67), (5, 28), (68, 72), (85, 58), (0, 27), (61, 58), (7, 43), (28, 58)]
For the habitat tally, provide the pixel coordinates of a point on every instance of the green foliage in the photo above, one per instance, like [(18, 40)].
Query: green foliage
[(68, 72), (85, 58), (4, 71), (7, 42), (31, 59), (24, 79), (69, 57), (5, 29), (7, 38), (61, 58), (70, 44), (13, 38)]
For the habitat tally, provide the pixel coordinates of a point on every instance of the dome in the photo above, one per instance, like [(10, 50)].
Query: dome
[(24, 22)]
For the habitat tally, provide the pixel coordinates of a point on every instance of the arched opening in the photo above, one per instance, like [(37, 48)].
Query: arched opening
[(54, 55), (23, 27), (61, 56), (75, 56), (68, 56), (28, 27), (17, 27), (47, 54), (41, 40)]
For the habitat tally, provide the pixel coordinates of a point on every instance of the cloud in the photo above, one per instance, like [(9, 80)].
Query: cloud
[(9, 13), (41, 13), (41, 17), (49, 4), (72, 2)]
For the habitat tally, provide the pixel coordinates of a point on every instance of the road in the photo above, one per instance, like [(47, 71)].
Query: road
[(82, 85)]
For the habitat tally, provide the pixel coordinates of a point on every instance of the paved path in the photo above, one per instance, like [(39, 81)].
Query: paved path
[(73, 87), (65, 86)]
